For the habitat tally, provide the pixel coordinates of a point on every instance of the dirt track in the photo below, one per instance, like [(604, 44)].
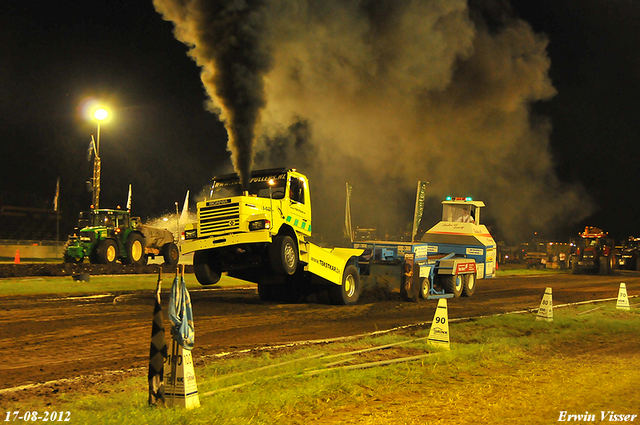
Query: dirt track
[(45, 338)]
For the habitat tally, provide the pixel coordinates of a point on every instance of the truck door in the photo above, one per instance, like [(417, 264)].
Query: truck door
[(299, 216)]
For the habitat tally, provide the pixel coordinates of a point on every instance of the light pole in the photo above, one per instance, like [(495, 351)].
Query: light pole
[(99, 115)]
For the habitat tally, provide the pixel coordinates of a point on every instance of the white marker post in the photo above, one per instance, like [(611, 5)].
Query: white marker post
[(545, 312), (182, 390), (439, 332), (623, 299)]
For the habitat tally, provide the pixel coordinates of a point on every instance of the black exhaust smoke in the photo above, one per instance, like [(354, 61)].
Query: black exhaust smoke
[(226, 39)]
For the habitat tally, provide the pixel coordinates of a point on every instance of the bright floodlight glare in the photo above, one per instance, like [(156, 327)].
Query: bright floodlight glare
[(101, 114)]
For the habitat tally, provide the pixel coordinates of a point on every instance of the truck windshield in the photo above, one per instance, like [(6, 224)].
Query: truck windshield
[(259, 187)]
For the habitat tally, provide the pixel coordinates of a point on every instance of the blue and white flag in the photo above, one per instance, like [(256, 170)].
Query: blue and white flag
[(180, 314)]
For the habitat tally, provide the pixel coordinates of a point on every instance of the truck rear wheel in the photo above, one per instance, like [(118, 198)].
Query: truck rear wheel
[(469, 284), (349, 292), (107, 252), (202, 267), (134, 247), (171, 254), (452, 284), (283, 255)]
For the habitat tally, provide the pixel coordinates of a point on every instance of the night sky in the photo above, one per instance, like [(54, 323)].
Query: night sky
[(58, 56)]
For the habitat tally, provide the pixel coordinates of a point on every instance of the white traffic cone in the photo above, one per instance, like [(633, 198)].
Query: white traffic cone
[(439, 333), (545, 312), (182, 390), (623, 300)]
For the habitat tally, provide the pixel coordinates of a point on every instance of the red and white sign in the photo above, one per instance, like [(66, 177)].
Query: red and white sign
[(467, 267)]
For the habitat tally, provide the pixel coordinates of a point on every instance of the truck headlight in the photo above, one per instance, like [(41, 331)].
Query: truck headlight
[(191, 234), (259, 225)]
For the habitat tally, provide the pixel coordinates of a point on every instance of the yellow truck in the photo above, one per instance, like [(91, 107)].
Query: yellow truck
[(259, 233)]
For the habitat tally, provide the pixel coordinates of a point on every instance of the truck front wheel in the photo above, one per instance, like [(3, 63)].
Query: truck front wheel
[(202, 267), (107, 252), (452, 284), (349, 292), (283, 255)]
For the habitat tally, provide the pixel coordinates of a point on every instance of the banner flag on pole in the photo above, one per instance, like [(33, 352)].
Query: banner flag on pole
[(417, 214), (157, 352), (348, 232), (129, 199), (92, 149), (185, 209), (55, 200), (180, 314)]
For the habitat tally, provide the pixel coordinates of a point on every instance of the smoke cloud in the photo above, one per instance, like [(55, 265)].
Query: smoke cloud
[(227, 39), (383, 93)]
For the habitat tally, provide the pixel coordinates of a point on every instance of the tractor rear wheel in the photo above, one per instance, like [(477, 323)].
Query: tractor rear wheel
[(206, 268)]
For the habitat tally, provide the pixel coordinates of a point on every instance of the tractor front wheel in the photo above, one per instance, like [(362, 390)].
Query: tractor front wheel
[(107, 251)]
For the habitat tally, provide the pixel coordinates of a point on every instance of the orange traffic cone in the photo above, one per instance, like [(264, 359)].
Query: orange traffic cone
[(17, 259)]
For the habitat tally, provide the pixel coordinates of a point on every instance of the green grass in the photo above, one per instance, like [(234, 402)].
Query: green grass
[(521, 270), (500, 370), (98, 284)]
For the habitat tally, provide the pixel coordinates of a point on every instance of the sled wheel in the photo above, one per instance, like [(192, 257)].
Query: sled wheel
[(469, 285), (452, 284), (424, 288), (171, 254)]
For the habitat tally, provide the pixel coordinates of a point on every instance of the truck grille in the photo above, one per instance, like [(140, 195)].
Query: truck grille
[(219, 219)]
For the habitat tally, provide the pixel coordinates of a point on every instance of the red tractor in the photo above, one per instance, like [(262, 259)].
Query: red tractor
[(593, 252)]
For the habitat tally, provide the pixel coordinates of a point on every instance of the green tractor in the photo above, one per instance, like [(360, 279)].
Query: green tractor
[(105, 236)]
